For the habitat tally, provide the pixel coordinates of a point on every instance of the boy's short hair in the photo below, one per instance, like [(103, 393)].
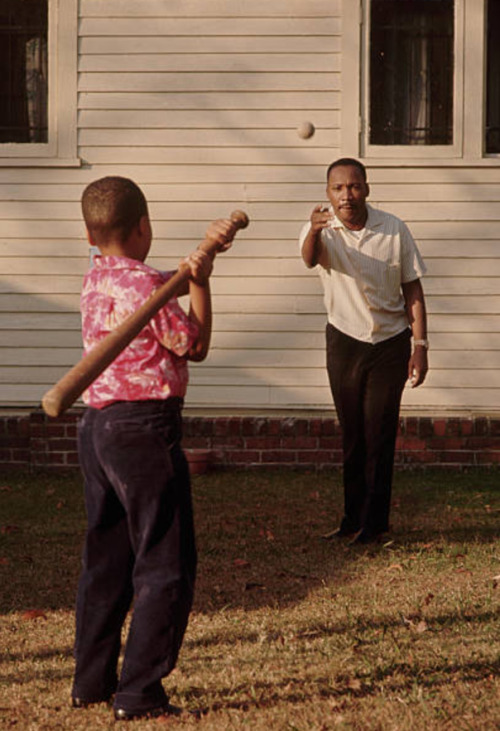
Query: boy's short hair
[(112, 207), (347, 162)]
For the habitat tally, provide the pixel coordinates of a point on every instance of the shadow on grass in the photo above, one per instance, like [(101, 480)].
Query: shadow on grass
[(48, 654), (358, 625), (395, 679), (46, 675), (394, 675), (258, 533), (258, 539)]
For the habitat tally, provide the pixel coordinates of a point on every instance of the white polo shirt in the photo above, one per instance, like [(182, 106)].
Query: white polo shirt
[(362, 281)]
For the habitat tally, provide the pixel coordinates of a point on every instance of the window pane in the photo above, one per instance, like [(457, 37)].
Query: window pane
[(493, 78), (411, 72), (23, 71)]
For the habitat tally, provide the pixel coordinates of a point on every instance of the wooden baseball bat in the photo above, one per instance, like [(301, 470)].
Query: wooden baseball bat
[(65, 392)]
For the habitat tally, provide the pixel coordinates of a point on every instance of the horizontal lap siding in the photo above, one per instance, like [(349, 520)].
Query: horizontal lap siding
[(455, 216), (200, 102)]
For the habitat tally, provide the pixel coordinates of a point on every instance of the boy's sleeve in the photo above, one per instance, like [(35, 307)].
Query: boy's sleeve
[(172, 326)]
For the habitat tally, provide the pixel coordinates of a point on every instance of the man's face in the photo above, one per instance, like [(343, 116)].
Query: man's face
[(347, 192)]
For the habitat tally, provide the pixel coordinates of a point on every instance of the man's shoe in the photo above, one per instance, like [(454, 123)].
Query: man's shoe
[(364, 537), (338, 533), (166, 709), (82, 703)]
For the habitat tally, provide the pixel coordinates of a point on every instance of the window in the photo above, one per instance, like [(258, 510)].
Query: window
[(422, 78), (492, 79), (411, 72), (38, 42), (24, 83)]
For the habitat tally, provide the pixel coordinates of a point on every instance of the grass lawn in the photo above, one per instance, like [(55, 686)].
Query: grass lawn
[(289, 631)]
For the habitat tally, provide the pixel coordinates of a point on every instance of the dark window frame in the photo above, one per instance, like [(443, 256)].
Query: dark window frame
[(60, 147), (492, 124), (24, 84), (411, 72)]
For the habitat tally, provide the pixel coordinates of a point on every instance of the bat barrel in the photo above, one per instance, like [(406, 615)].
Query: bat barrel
[(53, 404)]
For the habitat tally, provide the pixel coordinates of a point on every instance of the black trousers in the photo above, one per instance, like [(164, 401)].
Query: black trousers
[(367, 383), (139, 547)]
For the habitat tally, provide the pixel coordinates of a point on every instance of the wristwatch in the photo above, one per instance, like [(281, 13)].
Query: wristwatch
[(424, 343)]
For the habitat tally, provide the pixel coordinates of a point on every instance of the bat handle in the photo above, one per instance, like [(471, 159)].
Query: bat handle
[(240, 219)]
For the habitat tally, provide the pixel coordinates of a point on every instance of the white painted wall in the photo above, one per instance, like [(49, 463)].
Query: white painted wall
[(199, 102)]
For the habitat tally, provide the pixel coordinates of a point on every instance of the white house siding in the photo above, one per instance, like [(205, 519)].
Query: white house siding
[(199, 101)]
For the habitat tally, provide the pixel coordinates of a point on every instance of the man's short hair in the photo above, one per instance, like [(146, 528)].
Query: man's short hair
[(347, 162), (112, 207)]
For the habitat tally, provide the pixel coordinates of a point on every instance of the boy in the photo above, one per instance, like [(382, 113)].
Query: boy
[(140, 541)]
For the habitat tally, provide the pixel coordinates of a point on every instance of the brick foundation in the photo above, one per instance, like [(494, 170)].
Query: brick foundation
[(313, 442)]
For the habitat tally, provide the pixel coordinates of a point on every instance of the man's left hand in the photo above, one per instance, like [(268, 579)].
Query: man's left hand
[(418, 366)]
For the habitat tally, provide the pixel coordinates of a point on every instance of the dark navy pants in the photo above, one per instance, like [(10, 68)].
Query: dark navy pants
[(139, 548), (367, 383)]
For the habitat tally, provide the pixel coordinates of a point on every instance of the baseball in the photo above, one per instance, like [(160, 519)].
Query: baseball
[(306, 130)]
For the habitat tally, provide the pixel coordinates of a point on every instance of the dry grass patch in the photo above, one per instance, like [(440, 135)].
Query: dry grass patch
[(288, 631)]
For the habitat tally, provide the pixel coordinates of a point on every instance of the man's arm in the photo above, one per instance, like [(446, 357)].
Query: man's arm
[(313, 250), (416, 312)]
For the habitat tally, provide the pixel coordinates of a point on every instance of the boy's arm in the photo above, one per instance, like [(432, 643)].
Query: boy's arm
[(200, 313), (200, 262)]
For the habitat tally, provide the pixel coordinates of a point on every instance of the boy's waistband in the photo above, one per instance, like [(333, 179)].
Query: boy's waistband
[(170, 404)]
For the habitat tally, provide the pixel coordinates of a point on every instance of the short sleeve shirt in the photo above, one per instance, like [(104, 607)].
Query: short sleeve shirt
[(153, 365), (362, 280)]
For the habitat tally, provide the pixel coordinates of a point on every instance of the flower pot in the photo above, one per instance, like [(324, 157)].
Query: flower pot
[(199, 460)]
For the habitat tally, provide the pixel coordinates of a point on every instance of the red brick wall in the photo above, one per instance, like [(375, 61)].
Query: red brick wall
[(264, 441)]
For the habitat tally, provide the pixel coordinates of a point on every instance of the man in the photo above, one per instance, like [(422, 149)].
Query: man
[(370, 268)]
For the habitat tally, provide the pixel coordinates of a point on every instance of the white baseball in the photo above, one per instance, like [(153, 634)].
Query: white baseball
[(306, 130)]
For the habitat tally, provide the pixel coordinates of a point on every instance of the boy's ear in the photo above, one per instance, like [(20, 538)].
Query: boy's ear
[(90, 238), (144, 224)]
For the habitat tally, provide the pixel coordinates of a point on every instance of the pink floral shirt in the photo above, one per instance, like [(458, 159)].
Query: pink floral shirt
[(153, 366)]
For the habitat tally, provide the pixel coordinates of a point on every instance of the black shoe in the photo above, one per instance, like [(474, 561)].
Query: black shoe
[(338, 533), (167, 709), (364, 537), (82, 703)]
